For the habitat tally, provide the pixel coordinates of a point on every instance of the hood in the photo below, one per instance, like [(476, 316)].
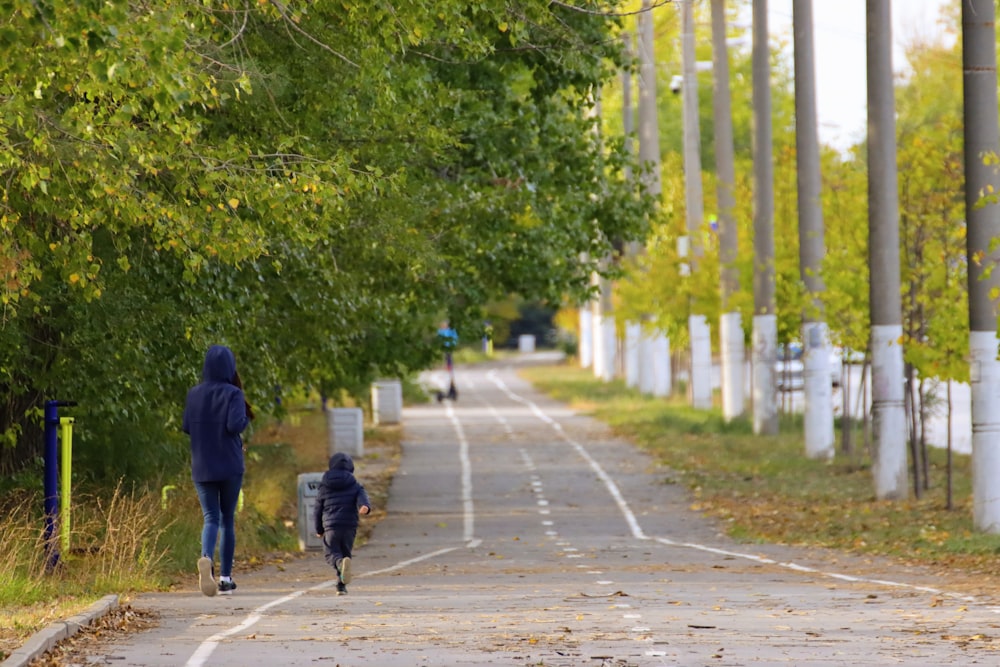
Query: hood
[(220, 364), (341, 461)]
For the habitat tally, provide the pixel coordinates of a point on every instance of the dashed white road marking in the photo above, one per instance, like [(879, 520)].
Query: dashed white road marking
[(594, 465), (503, 422)]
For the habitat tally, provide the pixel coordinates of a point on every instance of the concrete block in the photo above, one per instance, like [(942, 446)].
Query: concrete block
[(345, 431), (387, 402)]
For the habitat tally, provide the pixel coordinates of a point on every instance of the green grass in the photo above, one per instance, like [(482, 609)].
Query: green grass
[(764, 489)]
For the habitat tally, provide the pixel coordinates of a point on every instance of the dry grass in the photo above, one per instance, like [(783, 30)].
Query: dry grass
[(114, 546)]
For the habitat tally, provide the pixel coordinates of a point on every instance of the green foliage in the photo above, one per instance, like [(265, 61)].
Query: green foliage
[(932, 228), (845, 269), (932, 216), (312, 184), (655, 284), (932, 232)]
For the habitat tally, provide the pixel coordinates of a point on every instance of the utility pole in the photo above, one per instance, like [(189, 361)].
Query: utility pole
[(700, 334), (765, 322), (603, 321), (982, 139), (812, 247), (604, 343), (654, 347), (586, 351), (888, 415), (633, 330), (730, 323)]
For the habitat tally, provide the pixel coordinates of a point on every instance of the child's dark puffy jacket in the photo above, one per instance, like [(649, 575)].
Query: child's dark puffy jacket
[(340, 496)]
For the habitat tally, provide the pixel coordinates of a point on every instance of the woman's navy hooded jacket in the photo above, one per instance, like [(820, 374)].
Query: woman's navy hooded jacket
[(340, 496), (215, 415)]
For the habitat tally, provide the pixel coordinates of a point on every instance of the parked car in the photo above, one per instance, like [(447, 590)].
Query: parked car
[(790, 369)]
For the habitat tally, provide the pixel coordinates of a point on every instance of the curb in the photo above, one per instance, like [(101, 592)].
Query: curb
[(47, 638)]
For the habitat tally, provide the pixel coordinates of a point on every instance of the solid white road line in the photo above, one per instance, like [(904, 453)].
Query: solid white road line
[(468, 510), (207, 647)]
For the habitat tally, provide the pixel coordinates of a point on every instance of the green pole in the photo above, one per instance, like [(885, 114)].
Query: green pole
[(66, 424)]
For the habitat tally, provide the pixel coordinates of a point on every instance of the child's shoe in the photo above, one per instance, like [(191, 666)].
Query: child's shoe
[(226, 587), (341, 588), (206, 576), (345, 570)]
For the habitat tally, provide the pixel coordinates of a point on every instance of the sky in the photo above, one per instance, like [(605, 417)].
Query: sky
[(839, 29)]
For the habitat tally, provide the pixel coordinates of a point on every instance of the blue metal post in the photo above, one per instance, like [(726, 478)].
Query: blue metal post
[(51, 478)]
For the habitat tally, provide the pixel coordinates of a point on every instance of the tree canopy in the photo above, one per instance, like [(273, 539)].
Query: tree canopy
[(313, 184)]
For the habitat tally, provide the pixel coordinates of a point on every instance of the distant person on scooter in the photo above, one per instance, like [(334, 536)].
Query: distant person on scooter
[(449, 341)]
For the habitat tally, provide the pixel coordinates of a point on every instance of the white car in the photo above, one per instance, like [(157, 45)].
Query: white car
[(790, 370)]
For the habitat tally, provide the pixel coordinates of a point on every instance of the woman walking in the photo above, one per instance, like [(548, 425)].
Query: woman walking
[(215, 414)]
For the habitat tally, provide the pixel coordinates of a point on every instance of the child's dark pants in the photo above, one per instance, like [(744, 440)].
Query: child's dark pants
[(337, 543)]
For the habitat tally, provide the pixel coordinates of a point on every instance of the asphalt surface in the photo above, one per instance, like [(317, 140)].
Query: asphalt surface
[(520, 533)]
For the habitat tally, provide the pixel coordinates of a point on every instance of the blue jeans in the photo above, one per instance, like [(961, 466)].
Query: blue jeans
[(218, 504)]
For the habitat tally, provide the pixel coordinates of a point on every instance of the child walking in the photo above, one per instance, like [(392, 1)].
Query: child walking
[(340, 500)]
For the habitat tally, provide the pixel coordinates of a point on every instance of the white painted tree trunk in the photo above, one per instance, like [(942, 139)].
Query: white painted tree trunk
[(733, 353), (888, 413), (662, 373), (633, 336), (597, 335), (701, 362), (817, 388), (765, 355), (985, 385), (610, 341), (647, 372), (586, 346)]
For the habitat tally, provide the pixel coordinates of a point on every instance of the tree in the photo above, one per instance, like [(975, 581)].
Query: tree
[(313, 185)]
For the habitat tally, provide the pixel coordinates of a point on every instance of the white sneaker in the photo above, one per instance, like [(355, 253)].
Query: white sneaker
[(206, 578), (345, 570)]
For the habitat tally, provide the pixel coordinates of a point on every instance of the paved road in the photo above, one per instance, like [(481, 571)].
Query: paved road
[(520, 533)]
